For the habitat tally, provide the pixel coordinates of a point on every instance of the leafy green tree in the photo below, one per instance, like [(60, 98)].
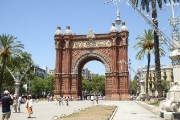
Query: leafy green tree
[(95, 86), (8, 47), (40, 87), (86, 85), (134, 87), (49, 84), (37, 86), (98, 84), (164, 86), (17, 64)]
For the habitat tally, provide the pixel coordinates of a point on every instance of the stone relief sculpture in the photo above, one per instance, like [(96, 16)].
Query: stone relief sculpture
[(67, 44), (56, 44), (90, 34), (114, 41), (124, 38), (90, 44)]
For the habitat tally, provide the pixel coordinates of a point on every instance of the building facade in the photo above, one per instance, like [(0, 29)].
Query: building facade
[(166, 75), (40, 72)]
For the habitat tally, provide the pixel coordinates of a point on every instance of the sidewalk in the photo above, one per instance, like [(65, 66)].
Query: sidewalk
[(127, 110), (130, 110), (47, 110)]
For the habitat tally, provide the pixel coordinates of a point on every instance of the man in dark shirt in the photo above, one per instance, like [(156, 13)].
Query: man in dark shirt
[(6, 103)]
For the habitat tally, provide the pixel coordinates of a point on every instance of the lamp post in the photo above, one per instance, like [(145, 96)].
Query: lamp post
[(17, 78), (17, 83), (142, 94), (116, 3), (175, 51)]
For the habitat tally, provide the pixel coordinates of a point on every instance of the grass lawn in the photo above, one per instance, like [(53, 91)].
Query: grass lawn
[(155, 103), (99, 112)]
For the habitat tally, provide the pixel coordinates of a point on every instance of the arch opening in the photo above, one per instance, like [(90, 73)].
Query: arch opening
[(89, 57), (92, 81), (80, 63)]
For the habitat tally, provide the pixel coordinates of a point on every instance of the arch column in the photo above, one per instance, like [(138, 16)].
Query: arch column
[(58, 63)]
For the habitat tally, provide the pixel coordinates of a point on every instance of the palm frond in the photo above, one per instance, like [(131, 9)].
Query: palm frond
[(160, 3), (145, 5), (145, 44)]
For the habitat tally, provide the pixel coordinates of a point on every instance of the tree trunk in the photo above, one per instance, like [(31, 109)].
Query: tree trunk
[(2, 74), (156, 47), (147, 75)]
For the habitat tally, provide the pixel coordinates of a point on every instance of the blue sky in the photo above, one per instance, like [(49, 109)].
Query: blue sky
[(34, 22)]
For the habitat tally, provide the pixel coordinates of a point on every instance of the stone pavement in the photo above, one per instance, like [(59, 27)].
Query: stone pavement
[(131, 110), (127, 110)]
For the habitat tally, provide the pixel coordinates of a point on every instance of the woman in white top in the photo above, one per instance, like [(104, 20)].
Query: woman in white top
[(29, 105)]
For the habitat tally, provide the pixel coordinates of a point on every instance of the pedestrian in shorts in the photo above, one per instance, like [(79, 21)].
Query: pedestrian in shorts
[(6, 103)]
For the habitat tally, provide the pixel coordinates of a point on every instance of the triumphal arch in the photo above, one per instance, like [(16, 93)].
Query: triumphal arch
[(74, 51)]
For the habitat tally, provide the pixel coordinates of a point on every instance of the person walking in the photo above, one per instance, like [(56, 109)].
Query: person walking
[(6, 103), (67, 101), (56, 101), (29, 105), (19, 103), (92, 98), (60, 100), (15, 104), (97, 99)]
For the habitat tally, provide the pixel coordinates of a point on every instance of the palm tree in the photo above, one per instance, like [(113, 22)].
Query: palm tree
[(8, 47), (147, 46), (145, 6)]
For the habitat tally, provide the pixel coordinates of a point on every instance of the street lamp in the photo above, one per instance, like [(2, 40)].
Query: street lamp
[(142, 94), (17, 78), (116, 3), (17, 83)]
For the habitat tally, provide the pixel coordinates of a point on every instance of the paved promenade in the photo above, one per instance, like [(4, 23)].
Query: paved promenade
[(127, 110), (130, 110)]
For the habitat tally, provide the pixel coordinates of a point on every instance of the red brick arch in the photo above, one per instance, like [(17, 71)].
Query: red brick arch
[(74, 51)]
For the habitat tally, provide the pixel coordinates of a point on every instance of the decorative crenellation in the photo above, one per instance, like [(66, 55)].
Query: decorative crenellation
[(123, 28), (113, 28), (68, 31), (58, 31)]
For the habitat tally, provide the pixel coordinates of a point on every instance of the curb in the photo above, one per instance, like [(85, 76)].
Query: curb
[(151, 108), (112, 116)]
